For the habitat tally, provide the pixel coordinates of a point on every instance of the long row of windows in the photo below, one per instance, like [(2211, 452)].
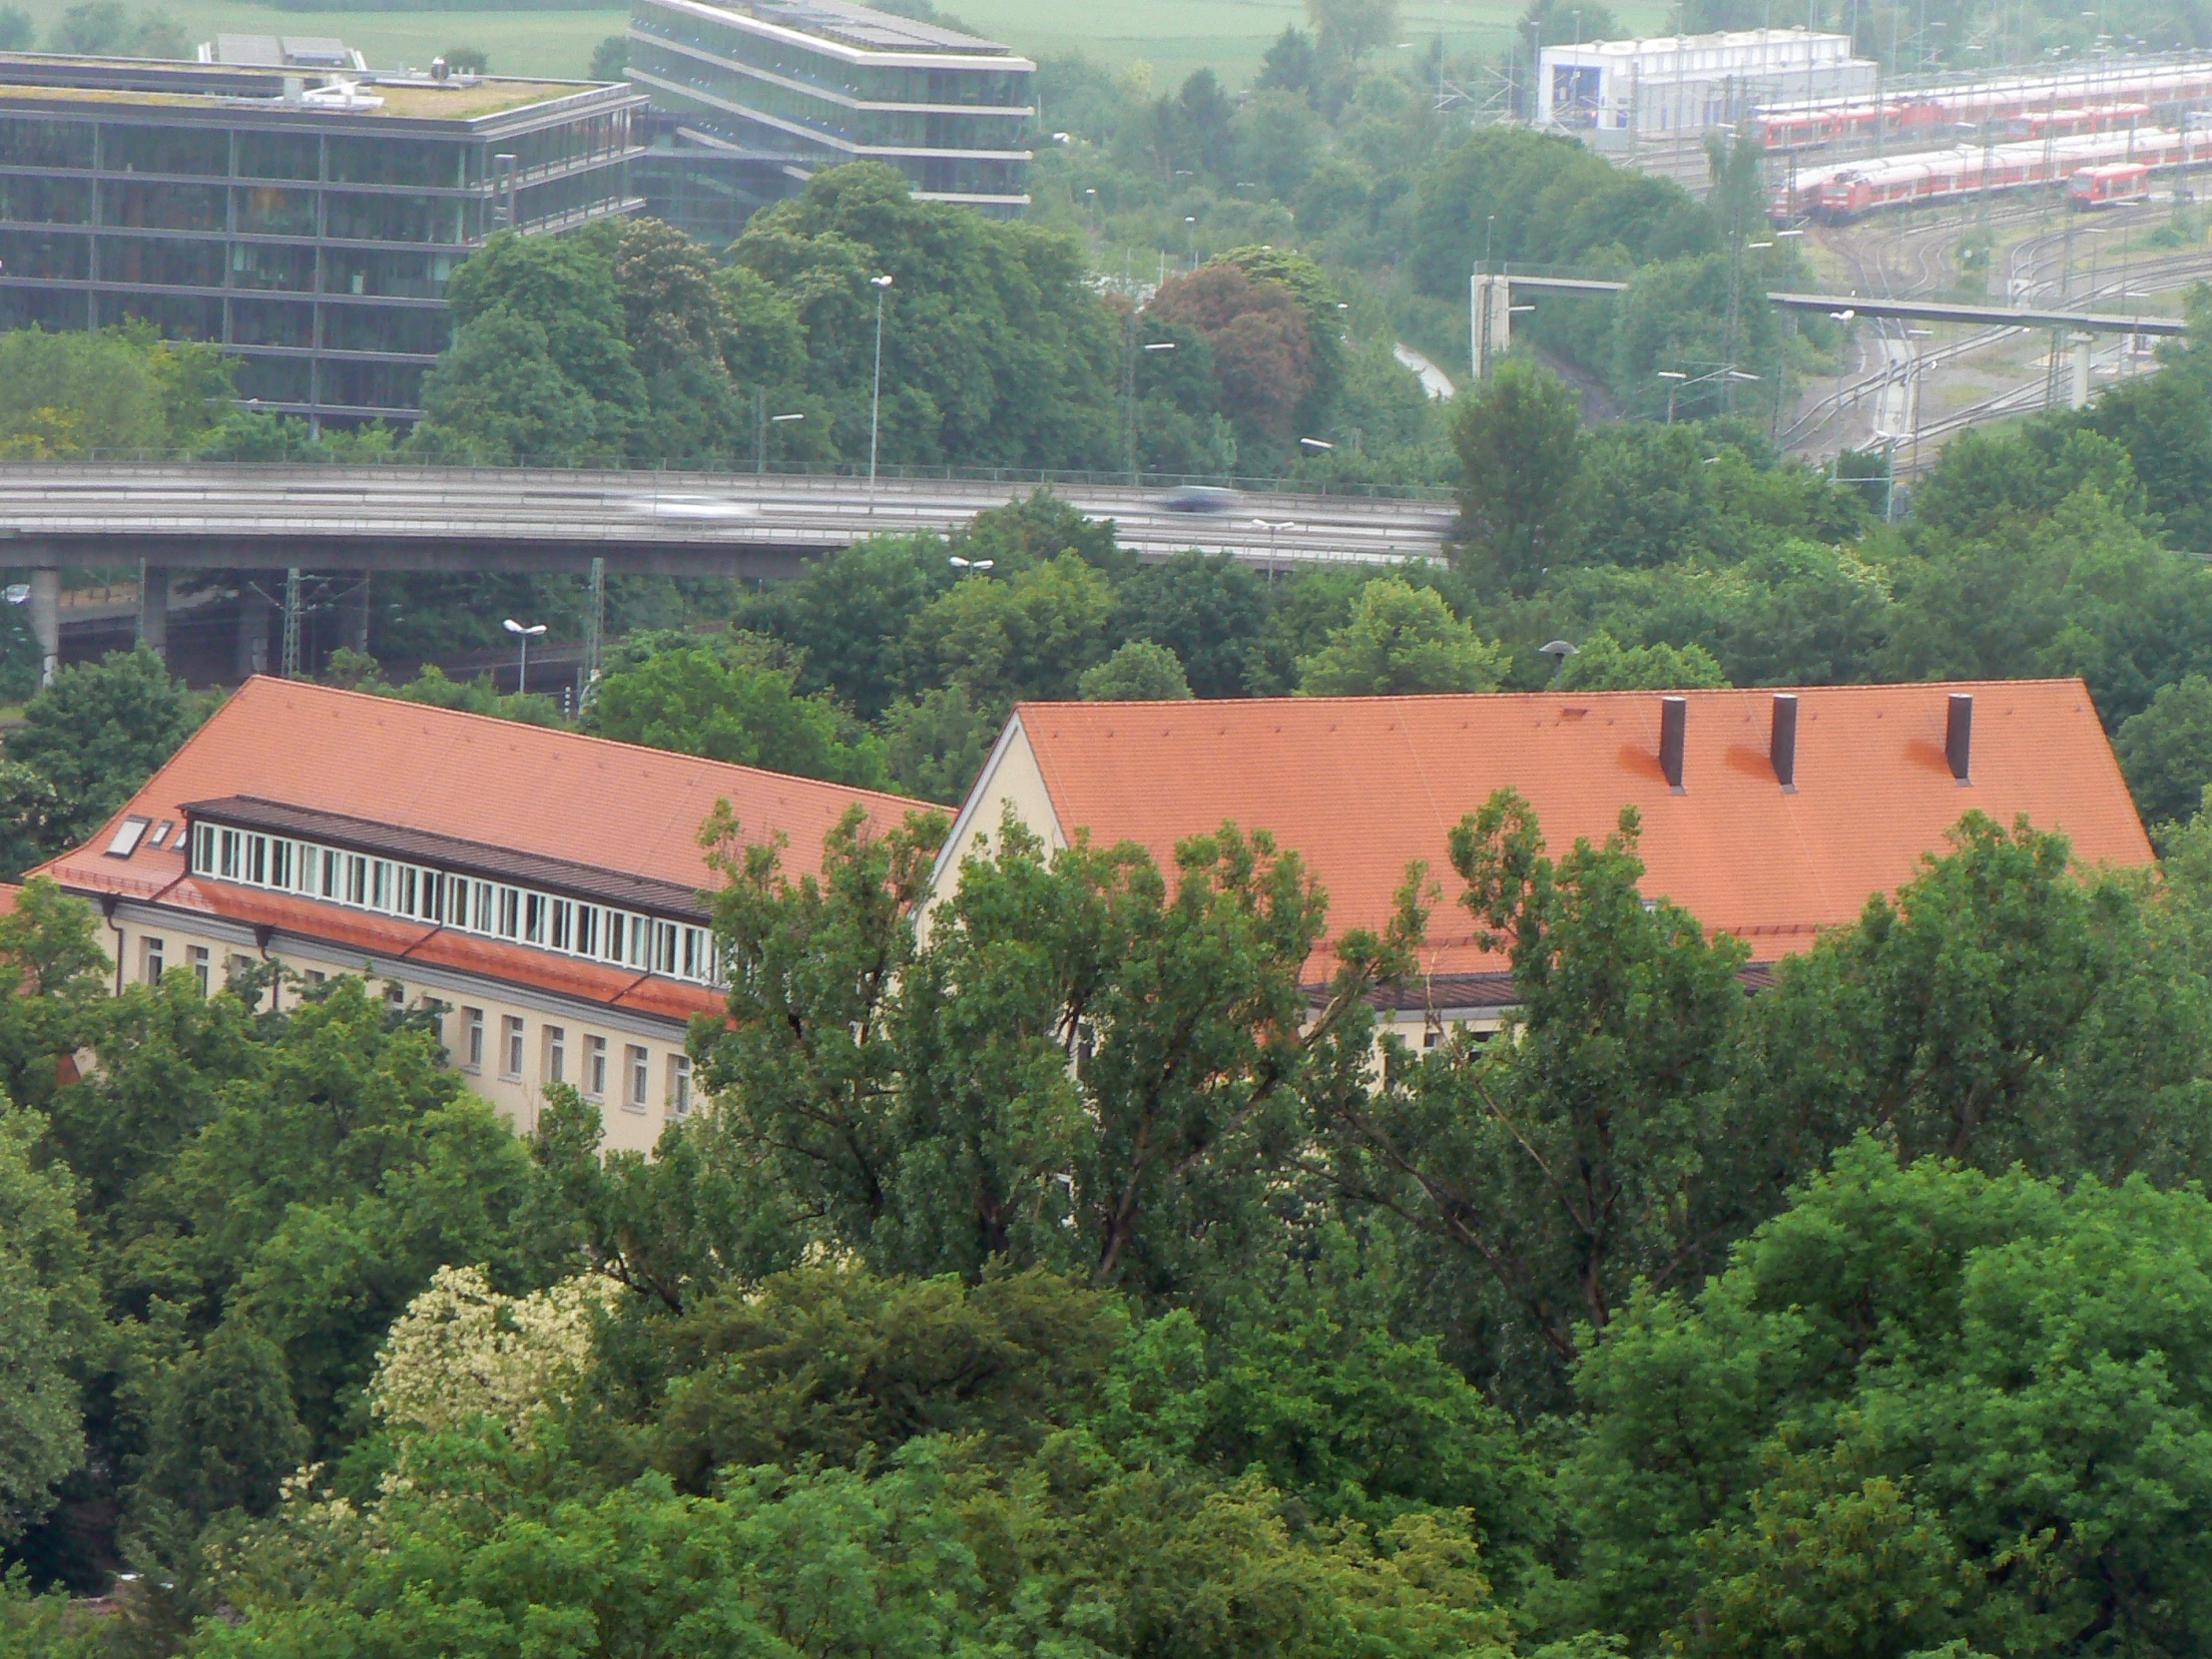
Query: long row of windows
[(988, 82), (389, 887), (203, 150)]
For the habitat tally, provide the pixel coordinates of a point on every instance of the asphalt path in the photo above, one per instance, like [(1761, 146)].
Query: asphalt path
[(385, 517)]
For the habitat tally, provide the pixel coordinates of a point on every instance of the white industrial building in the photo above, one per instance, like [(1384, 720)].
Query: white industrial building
[(1621, 92)]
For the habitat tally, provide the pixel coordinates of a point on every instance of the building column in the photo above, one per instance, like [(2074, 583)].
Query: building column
[(253, 646), (153, 618), (46, 621)]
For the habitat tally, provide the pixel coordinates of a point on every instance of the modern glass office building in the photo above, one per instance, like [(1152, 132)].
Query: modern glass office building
[(308, 228), (801, 85)]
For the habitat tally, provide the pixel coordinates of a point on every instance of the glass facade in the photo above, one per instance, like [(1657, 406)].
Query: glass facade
[(811, 86), (316, 245)]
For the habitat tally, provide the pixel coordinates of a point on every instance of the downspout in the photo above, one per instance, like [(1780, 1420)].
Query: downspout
[(108, 903)]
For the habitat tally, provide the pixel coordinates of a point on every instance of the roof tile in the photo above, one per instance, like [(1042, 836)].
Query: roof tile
[(1360, 787)]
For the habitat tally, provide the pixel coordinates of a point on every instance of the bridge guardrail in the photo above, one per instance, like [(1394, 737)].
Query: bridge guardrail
[(704, 470)]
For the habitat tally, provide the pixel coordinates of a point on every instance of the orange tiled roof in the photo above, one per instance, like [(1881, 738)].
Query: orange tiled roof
[(1360, 787), (609, 806)]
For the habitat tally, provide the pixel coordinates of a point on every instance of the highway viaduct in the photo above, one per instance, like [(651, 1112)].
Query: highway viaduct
[(331, 520)]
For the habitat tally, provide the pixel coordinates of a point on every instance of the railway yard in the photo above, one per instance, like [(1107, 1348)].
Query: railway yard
[(1905, 387)]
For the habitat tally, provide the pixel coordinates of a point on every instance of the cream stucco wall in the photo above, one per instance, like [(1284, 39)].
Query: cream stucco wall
[(517, 1095), (1010, 779)]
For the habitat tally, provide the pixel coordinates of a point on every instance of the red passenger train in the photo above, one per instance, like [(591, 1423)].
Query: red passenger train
[(1846, 190)]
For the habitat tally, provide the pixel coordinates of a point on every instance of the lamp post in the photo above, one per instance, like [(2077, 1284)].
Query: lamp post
[(966, 567), (765, 420), (1129, 393), (525, 636), (1271, 526), (882, 286)]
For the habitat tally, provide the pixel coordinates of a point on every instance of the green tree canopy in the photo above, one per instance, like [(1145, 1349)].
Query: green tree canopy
[(1140, 671), (1400, 639), (95, 735)]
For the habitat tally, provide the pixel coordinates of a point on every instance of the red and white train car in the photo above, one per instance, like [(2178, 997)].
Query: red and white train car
[(2107, 187), (2066, 102), (1849, 190)]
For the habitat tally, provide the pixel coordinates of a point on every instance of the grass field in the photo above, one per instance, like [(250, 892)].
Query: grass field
[(552, 43), (1173, 36), (1178, 36)]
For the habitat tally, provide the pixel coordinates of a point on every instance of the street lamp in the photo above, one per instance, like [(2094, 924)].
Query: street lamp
[(882, 286), (1558, 651), (1674, 379), (1271, 526), (760, 454), (1316, 443), (1129, 392), (525, 636), (980, 567)]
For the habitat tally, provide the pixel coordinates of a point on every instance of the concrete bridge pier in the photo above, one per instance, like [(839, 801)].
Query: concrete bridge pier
[(254, 610), (153, 617), (46, 619)]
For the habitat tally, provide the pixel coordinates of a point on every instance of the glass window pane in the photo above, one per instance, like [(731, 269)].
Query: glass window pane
[(385, 329), (274, 211), (272, 323), (179, 148), (175, 315), (162, 262), (266, 266), (48, 254), (33, 200), (278, 380), (162, 206), (278, 155), (33, 141)]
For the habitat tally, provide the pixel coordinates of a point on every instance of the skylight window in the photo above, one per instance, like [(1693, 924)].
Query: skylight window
[(127, 836), (161, 831)]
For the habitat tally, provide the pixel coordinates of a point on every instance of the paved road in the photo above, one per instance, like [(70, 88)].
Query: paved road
[(393, 518)]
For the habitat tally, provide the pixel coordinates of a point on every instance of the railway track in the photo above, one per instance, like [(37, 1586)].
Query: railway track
[(1910, 263)]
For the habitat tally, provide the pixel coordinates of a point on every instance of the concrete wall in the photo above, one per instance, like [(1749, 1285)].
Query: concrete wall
[(517, 1093)]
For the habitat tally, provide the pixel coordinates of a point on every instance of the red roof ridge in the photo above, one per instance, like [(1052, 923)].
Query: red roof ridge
[(519, 727), (1556, 694)]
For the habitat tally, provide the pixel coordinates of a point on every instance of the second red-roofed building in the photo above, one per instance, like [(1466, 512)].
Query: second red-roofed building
[(1769, 815), (544, 889)]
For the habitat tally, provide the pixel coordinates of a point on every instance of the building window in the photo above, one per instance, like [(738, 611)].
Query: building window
[(510, 912), (510, 1032), (357, 880), (595, 1067), (316, 977), (641, 1077), (556, 1054), (678, 1085), (473, 1039), (197, 956), (153, 954), (563, 914), (533, 917), (396, 993), (226, 858)]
